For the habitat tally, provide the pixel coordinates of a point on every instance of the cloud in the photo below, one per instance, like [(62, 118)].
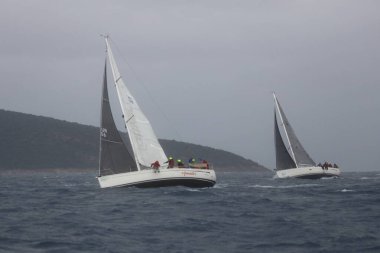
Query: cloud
[(211, 67)]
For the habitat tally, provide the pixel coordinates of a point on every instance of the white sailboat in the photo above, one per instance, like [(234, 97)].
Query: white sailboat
[(127, 161), (292, 160)]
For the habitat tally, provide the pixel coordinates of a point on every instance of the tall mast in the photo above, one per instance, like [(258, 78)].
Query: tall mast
[(117, 77), (286, 132), (101, 116)]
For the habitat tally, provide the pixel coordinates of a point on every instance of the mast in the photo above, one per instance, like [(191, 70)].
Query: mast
[(286, 132), (101, 119), (117, 77)]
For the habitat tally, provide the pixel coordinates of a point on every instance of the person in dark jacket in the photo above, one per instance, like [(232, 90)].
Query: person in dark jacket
[(180, 163), (156, 165), (170, 162)]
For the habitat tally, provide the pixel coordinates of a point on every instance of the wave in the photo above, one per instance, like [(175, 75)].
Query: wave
[(376, 177), (192, 190), (70, 185), (220, 186), (284, 186), (50, 244), (285, 245), (346, 190), (329, 178)]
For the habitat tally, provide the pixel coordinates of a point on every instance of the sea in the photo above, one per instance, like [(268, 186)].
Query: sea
[(52, 211)]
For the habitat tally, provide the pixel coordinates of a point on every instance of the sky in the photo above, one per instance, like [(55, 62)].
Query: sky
[(204, 71)]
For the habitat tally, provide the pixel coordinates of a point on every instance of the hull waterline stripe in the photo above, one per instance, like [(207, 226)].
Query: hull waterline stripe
[(167, 180)]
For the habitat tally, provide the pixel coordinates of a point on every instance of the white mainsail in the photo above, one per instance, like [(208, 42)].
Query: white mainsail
[(145, 145)]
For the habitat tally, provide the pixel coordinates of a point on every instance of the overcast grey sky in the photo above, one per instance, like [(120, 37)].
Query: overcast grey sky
[(211, 66)]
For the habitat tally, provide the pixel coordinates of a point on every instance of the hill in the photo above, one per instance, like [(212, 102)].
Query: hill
[(36, 142)]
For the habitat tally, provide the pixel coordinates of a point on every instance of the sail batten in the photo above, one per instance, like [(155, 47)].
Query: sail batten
[(140, 131), (297, 152)]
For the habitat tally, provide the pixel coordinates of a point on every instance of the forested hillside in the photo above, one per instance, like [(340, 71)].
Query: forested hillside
[(28, 142)]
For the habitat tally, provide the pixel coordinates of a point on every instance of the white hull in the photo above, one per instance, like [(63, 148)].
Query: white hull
[(308, 172), (163, 177)]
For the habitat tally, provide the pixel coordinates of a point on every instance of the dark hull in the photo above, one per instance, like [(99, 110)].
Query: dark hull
[(187, 182), (316, 176)]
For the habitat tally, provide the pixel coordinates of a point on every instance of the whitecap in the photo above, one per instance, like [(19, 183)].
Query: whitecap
[(301, 185), (220, 186), (261, 186), (69, 185), (192, 190), (285, 186), (329, 178), (347, 190)]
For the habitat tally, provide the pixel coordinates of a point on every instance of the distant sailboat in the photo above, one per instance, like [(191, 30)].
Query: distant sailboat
[(292, 160), (128, 161)]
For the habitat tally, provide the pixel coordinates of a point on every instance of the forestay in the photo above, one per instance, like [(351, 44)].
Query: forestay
[(145, 145)]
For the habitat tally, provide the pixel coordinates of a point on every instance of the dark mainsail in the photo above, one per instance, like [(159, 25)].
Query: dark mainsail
[(283, 159), (114, 155), (302, 158)]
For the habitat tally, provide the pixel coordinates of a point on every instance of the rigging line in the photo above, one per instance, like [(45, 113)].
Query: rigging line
[(129, 119), (139, 80), (116, 142)]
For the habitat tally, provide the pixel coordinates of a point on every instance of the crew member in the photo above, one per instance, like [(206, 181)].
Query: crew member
[(205, 162), (170, 162), (180, 163), (156, 165), (191, 162)]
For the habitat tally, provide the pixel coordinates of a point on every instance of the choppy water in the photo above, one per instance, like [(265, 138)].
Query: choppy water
[(244, 212)]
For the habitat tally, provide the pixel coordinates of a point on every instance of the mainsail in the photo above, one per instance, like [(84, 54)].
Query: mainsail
[(296, 151), (114, 157), (145, 145), (283, 159)]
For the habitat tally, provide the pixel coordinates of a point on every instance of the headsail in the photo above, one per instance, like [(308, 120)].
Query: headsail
[(145, 145), (296, 151), (114, 157)]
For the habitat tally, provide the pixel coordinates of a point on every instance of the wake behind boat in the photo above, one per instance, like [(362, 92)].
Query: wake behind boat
[(294, 161), (139, 159)]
